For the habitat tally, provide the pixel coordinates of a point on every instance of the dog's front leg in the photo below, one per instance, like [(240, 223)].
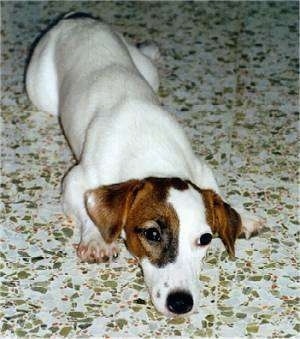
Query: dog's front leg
[(92, 247)]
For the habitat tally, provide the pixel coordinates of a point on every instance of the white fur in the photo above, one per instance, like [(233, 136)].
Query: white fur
[(104, 91), (184, 272)]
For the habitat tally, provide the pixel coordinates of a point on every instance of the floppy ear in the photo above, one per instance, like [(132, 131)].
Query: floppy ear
[(108, 207), (223, 219)]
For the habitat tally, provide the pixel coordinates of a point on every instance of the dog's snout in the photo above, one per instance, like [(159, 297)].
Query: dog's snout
[(180, 302)]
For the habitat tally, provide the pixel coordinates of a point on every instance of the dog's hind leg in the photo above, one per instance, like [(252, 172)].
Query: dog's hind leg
[(41, 75), (143, 56)]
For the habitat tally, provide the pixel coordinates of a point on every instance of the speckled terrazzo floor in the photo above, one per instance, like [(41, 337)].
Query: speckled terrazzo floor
[(229, 71)]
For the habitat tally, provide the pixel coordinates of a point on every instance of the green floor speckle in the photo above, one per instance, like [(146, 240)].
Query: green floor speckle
[(229, 72)]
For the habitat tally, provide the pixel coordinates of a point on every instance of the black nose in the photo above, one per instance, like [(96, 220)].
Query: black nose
[(180, 302)]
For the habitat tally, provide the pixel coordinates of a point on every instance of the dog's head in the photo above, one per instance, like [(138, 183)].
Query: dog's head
[(168, 224)]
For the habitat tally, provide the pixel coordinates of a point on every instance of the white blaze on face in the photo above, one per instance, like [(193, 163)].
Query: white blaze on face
[(182, 275)]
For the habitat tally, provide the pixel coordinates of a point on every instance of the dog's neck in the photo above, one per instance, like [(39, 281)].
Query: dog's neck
[(144, 140)]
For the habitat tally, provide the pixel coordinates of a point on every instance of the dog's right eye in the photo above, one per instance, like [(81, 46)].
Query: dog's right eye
[(204, 240), (152, 234)]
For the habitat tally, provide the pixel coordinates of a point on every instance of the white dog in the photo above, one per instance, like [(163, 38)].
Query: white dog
[(136, 174)]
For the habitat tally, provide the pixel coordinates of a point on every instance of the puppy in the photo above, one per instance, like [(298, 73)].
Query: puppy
[(136, 175)]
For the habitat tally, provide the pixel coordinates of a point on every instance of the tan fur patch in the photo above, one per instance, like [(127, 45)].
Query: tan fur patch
[(133, 205), (222, 218), (151, 205), (108, 207)]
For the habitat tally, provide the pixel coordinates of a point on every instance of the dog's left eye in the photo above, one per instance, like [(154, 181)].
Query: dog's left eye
[(204, 240), (152, 234)]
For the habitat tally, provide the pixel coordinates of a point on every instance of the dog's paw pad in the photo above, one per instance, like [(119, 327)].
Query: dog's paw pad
[(96, 252)]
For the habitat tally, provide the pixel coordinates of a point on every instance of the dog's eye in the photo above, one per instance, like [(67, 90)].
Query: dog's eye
[(152, 234), (205, 239)]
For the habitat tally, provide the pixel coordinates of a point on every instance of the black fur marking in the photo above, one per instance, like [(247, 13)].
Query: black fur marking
[(170, 249)]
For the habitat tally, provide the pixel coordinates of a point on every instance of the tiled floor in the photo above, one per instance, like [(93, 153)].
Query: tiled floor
[(229, 71)]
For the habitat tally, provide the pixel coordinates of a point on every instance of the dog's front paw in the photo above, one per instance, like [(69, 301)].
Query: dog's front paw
[(251, 224), (95, 251)]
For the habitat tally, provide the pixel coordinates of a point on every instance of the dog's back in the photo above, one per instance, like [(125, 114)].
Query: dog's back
[(80, 67), (75, 48)]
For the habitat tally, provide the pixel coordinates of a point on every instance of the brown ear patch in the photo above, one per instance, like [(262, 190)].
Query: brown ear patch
[(108, 207), (222, 218)]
